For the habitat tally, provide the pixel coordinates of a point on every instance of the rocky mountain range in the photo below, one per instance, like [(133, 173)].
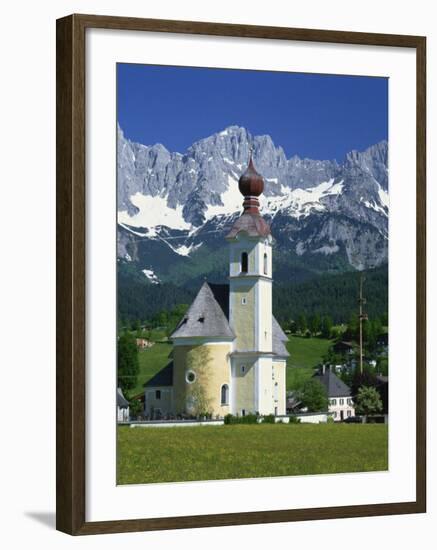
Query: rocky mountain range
[(174, 208)]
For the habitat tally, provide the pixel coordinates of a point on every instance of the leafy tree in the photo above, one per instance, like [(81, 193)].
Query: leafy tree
[(315, 324), (382, 366), (198, 363), (352, 329), (366, 378), (336, 333), (377, 327), (384, 319), (368, 401), (135, 407), (332, 358), (313, 396), (127, 361), (326, 326), (302, 324)]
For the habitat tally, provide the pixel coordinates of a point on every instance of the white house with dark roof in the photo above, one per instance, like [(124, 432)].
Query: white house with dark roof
[(229, 353), (341, 404), (122, 407)]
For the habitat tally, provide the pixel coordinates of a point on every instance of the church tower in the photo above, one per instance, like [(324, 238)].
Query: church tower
[(250, 303)]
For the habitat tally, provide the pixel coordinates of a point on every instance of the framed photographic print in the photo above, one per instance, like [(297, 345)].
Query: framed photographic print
[(241, 274)]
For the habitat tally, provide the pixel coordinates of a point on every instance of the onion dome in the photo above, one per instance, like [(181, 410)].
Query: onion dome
[(251, 185)]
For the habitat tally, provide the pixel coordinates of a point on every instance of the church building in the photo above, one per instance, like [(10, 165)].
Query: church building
[(229, 353)]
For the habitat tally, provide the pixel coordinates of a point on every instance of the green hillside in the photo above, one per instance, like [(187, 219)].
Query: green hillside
[(305, 355)]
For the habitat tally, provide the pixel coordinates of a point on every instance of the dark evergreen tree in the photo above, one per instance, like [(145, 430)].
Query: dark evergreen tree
[(127, 361)]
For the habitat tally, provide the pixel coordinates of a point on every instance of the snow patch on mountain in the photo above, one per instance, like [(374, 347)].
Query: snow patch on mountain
[(301, 202), (383, 196), (153, 212), (231, 201), (150, 274), (187, 250)]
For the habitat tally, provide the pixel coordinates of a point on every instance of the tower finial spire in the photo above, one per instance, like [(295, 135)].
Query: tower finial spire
[(251, 185)]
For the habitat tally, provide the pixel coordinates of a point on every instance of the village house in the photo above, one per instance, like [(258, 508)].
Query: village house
[(341, 404), (122, 407), (143, 343), (229, 353)]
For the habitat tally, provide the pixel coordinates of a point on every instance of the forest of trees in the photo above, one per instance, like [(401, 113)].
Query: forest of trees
[(333, 296), (139, 300)]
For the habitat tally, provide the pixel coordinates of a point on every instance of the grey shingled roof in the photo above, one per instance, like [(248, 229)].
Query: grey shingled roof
[(205, 318), (334, 386), (278, 339), (212, 304), (164, 377), (121, 400)]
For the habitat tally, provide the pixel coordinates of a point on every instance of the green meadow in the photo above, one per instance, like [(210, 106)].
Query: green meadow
[(305, 355), (151, 360), (157, 455)]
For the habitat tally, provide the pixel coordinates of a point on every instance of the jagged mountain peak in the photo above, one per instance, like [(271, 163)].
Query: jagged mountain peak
[(316, 207)]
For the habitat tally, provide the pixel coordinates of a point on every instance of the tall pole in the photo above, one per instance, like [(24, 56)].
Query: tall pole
[(362, 317)]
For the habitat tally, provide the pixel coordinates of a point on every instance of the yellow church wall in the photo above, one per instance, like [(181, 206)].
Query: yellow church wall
[(244, 387), (179, 384), (213, 376), (243, 316)]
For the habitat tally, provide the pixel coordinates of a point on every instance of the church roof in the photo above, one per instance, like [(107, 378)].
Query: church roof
[(212, 302), (278, 339), (164, 377), (334, 386), (221, 294), (251, 223), (204, 318)]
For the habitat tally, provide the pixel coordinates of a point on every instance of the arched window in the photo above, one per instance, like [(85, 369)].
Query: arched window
[(265, 263), (224, 395), (244, 262)]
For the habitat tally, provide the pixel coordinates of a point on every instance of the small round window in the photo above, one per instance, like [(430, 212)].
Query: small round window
[(190, 376)]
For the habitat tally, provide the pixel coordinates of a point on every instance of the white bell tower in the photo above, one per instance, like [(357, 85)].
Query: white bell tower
[(250, 301)]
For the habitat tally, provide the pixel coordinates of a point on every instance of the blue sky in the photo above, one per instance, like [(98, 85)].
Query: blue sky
[(311, 115)]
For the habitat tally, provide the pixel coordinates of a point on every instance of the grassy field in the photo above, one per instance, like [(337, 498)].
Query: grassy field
[(305, 354), (151, 361), (152, 455)]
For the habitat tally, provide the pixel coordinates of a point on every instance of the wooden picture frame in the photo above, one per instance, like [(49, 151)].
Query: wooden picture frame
[(71, 253)]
